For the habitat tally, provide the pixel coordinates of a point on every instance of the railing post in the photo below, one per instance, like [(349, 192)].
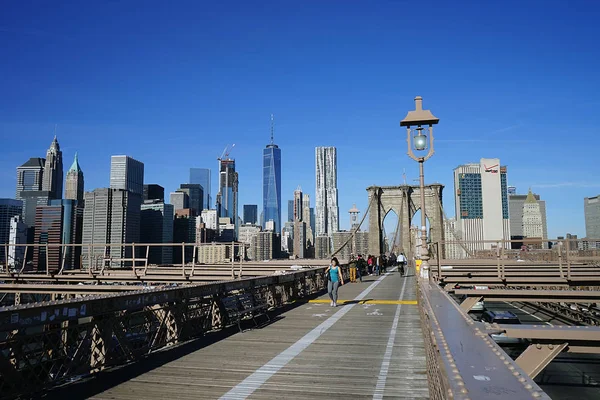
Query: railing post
[(6, 256), (502, 262), (133, 256), (147, 255), (567, 255), (183, 257), (47, 259), (232, 260)]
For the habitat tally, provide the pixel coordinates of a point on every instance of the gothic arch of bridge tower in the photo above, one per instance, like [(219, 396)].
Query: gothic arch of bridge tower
[(405, 201)]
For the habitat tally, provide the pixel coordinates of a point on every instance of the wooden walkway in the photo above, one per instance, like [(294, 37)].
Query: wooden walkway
[(358, 350)]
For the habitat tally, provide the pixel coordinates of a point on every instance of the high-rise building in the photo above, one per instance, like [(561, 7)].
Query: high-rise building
[(153, 191), (312, 221), (195, 194), (227, 198), (532, 218), (481, 200), (53, 171), (452, 246), (298, 205), (299, 247), (31, 200), (322, 245), (247, 232), (354, 217), (272, 182), (210, 218), (30, 176), (591, 210), (157, 227), (201, 176), (17, 235), (8, 209), (327, 210), (290, 210), (261, 247), (180, 200), (60, 222), (308, 217), (127, 173), (111, 216), (74, 184), (184, 231), (250, 214), (515, 208)]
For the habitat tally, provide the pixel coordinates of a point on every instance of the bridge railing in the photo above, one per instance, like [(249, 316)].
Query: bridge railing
[(45, 344)]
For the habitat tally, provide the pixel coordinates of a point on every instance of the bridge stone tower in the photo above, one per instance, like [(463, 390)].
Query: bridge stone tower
[(405, 201)]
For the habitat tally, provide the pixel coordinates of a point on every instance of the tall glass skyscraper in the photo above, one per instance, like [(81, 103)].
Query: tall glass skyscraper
[(201, 176), (272, 183)]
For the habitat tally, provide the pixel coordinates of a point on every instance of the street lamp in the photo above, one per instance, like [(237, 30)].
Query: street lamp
[(414, 122)]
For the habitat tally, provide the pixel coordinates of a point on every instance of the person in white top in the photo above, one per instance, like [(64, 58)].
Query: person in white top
[(401, 263)]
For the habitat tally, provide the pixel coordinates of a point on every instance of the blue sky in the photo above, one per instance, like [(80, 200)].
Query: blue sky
[(173, 84)]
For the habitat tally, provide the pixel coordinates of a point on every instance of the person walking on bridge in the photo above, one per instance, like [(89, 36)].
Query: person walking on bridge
[(334, 280)]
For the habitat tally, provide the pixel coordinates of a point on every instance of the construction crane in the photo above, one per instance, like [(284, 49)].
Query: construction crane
[(226, 152)]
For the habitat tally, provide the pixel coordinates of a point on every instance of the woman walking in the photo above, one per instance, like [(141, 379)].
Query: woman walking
[(335, 279)]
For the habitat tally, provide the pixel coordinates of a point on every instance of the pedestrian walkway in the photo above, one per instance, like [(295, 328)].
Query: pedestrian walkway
[(370, 346)]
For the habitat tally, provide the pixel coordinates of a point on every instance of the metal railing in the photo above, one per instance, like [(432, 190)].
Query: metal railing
[(46, 344)]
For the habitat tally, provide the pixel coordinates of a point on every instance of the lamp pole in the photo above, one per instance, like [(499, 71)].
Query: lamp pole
[(418, 118)]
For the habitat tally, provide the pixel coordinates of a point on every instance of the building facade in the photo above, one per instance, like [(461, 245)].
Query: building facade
[(533, 227), (290, 211), (322, 247), (9, 208), (299, 247), (214, 254), (195, 194), (154, 192), (53, 171), (272, 183), (201, 176), (227, 198), (209, 217), (326, 209), (261, 247), (74, 183), (481, 200), (30, 176), (111, 216), (17, 235), (591, 210), (308, 217), (342, 244), (180, 200), (156, 226), (250, 214), (515, 207), (127, 173)]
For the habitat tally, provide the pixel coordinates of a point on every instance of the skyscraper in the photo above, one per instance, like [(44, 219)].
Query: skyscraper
[(153, 191), (180, 200), (591, 210), (272, 183), (532, 218), (111, 216), (30, 176), (308, 217), (196, 195), (250, 214), (127, 173), (157, 227), (327, 210), (227, 198), (482, 202), (515, 209), (8, 209), (298, 206), (201, 176), (290, 210), (74, 182), (53, 171)]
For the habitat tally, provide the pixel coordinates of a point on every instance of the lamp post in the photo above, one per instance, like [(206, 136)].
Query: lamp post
[(414, 122)]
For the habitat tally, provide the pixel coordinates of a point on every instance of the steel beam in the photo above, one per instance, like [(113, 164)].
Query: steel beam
[(547, 296), (537, 356), (469, 302)]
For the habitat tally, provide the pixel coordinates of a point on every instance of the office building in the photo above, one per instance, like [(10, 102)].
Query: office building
[(532, 221), (180, 200), (452, 246), (214, 254), (30, 176), (154, 192), (299, 248), (203, 233), (247, 232), (53, 171), (261, 247), (209, 217), (195, 195), (31, 200), (290, 210), (481, 200), (591, 210), (250, 214), (74, 184), (322, 245), (308, 216), (127, 173), (226, 230), (201, 176), (184, 231), (156, 225), (227, 198), (272, 182), (326, 210), (9, 208), (515, 208), (111, 216), (17, 235), (60, 222)]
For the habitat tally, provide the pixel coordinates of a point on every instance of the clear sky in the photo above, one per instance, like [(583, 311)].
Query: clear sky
[(173, 83)]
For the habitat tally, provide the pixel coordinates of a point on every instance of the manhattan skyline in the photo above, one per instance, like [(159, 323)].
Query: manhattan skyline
[(179, 90)]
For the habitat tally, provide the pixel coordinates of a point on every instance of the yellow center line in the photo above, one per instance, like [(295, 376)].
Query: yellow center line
[(393, 302)]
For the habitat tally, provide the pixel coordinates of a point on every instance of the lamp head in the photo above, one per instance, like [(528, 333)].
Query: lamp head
[(419, 116)]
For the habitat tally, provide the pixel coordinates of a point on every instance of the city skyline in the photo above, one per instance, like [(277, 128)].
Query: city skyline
[(203, 105)]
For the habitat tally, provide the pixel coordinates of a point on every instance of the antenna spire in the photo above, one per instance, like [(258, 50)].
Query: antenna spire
[(272, 127)]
